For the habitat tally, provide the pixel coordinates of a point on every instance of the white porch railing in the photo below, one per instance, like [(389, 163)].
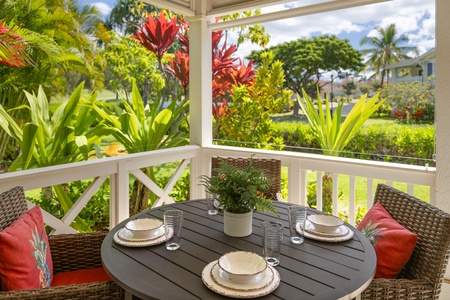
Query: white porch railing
[(119, 168)]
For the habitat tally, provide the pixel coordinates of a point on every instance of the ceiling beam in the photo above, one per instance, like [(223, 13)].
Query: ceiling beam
[(178, 8), (244, 5), (293, 12)]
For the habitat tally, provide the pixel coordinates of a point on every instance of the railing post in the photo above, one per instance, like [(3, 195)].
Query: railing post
[(296, 188), (119, 204)]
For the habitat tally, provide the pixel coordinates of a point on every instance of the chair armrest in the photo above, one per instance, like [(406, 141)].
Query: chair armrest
[(76, 251), (401, 289)]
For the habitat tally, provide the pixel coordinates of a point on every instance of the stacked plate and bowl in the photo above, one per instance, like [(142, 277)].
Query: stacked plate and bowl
[(241, 274), (141, 233), (326, 228)]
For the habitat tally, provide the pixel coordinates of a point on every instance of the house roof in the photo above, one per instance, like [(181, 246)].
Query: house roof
[(214, 8), (407, 63)]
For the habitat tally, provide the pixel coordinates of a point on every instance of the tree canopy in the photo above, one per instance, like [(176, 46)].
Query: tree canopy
[(305, 60)]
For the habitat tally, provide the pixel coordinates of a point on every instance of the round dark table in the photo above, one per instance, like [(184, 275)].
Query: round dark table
[(312, 270)]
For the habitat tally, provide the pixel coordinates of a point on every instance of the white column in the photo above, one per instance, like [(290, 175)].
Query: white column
[(442, 104), (200, 95), (442, 108)]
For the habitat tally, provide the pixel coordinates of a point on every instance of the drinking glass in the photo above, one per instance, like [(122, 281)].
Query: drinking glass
[(272, 235), (211, 200), (173, 222), (297, 219)]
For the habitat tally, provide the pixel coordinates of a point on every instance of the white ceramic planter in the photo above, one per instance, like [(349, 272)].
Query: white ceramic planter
[(237, 225)]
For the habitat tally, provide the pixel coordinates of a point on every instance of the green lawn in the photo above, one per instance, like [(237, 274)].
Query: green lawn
[(420, 191)]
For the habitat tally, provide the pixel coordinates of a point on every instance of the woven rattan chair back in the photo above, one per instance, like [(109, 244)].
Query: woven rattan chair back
[(430, 256), (70, 252), (12, 205), (271, 167)]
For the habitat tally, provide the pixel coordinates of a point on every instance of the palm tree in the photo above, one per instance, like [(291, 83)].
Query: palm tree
[(386, 49)]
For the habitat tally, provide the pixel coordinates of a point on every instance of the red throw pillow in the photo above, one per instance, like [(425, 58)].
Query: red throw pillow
[(25, 258), (393, 243)]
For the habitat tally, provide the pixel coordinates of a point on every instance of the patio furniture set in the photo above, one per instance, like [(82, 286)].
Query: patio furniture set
[(316, 269)]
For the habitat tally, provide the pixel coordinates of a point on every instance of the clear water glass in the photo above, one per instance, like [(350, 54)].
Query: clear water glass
[(297, 219), (173, 223), (272, 236)]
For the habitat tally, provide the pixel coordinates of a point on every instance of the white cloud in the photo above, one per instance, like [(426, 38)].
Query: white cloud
[(415, 18), (104, 8)]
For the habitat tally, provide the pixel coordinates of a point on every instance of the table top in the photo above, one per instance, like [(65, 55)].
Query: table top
[(312, 270)]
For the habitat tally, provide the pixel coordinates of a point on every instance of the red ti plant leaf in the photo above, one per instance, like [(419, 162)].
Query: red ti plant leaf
[(179, 67), (158, 35), (222, 60), (12, 48), (219, 109), (242, 74)]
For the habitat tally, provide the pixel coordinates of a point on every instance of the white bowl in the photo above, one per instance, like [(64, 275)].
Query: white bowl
[(242, 266), (144, 228), (325, 223)]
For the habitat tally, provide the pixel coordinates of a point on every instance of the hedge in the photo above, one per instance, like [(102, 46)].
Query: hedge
[(400, 143)]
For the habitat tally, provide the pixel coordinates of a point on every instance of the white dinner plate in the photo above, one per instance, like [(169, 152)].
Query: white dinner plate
[(127, 235), (261, 281), (161, 239), (333, 239), (212, 285), (341, 231)]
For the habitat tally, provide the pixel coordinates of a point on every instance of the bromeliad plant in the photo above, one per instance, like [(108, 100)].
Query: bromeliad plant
[(240, 190), (331, 133)]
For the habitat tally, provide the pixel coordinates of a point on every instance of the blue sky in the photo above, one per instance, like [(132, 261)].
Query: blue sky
[(415, 18)]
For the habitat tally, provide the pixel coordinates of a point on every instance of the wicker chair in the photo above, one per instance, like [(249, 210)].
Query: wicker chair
[(69, 252), (423, 275), (271, 167)]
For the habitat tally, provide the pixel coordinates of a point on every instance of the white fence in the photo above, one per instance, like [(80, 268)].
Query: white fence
[(297, 166)]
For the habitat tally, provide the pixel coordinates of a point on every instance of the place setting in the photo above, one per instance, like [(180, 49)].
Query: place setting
[(241, 274), (145, 232), (325, 228)]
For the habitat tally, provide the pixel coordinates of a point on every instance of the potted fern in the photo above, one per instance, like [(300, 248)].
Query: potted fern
[(239, 193)]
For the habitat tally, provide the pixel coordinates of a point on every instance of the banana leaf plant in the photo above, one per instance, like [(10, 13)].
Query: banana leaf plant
[(331, 132), (142, 128), (65, 137)]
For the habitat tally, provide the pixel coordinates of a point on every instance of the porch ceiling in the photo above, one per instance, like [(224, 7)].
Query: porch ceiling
[(213, 8)]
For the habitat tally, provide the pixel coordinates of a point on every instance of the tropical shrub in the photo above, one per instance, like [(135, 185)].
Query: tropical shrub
[(63, 137), (410, 101), (247, 118), (95, 214), (140, 128)]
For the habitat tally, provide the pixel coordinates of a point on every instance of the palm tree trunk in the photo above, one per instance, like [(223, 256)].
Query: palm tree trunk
[(139, 197)]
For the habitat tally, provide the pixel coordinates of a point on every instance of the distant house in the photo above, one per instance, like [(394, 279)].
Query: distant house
[(414, 69)]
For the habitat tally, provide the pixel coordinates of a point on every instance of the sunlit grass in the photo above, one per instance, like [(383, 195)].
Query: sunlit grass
[(362, 199)]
